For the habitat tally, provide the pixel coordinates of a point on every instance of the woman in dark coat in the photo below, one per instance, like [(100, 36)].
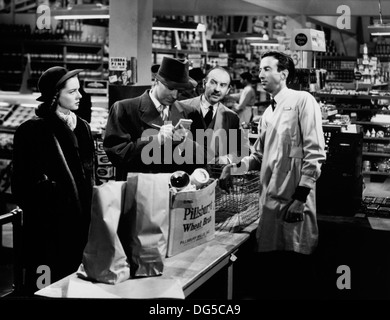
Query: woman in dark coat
[(52, 181)]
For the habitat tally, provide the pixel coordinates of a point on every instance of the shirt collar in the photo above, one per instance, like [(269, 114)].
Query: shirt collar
[(279, 96), (157, 103), (204, 105)]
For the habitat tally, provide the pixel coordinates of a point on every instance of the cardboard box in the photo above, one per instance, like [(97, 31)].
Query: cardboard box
[(191, 219), (308, 40)]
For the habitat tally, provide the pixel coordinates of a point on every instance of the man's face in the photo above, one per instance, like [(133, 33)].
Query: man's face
[(216, 86), (270, 78), (165, 95)]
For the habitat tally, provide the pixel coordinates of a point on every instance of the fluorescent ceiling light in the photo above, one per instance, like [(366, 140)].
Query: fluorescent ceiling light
[(381, 33), (82, 16), (241, 35), (82, 12), (379, 28), (178, 26)]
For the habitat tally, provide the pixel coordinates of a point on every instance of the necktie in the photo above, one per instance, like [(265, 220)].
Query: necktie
[(209, 116), (273, 104), (163, 112)]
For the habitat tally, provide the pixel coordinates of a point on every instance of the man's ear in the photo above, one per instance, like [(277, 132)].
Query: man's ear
[(228, 90), (285, 74)]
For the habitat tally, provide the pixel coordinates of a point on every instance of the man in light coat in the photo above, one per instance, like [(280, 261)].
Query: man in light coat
[(289, 154)]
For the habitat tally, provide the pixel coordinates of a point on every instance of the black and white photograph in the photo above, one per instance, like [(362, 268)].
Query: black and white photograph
[(190, 158)]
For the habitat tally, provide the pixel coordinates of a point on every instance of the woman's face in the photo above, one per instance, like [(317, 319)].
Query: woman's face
[(124, 76), (70, 96)]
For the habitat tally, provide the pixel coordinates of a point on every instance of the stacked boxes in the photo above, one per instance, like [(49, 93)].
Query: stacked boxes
[(105, 170)]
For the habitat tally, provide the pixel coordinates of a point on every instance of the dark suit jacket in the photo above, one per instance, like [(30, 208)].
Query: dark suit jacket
[(128, 121), (223, 121)]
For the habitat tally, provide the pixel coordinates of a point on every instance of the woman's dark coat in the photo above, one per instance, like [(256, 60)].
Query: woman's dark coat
[(53, 176)]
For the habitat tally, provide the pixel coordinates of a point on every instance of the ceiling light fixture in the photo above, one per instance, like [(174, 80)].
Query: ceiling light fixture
[(379, 28), (82, 12), (178, 26)]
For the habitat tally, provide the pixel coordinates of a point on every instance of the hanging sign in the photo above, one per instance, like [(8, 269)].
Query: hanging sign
[(308, 40)]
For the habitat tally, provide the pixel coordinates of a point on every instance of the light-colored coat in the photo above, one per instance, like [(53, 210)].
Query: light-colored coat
[(291, 149)]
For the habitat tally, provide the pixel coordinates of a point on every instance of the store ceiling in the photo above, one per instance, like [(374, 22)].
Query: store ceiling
[(269, 7)]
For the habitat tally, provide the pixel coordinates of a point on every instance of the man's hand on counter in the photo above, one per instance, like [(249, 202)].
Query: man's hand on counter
[(225, 180)]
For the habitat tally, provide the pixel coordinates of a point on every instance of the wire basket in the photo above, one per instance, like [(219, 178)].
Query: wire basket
[(239, 208)]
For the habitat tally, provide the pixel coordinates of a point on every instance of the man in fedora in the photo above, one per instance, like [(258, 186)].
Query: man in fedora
[(140, 133)]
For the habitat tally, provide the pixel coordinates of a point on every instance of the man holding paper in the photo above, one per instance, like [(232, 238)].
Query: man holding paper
[(142, 134)]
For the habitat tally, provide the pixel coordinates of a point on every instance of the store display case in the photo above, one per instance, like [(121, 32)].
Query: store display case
[(365, 110)]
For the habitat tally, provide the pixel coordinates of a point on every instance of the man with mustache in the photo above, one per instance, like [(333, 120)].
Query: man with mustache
[(216, 119)]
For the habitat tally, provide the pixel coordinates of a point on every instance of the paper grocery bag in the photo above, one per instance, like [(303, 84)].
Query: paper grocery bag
[(104, 259), (191, 219), (145, 230)]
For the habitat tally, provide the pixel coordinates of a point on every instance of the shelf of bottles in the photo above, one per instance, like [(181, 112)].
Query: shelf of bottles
[(382, 49), (65, 44), (180, 40)]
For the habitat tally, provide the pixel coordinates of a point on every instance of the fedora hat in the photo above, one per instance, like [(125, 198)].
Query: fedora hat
[(173, 73), (52, 80)]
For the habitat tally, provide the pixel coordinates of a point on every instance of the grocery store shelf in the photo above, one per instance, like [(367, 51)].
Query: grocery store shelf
[(352, 96), (377, 138), (382, 124), (376, 154), (376, 173)]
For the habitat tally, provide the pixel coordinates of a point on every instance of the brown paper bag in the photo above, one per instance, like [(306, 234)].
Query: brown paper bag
[(191, 219), (145, 230), (104, 259)]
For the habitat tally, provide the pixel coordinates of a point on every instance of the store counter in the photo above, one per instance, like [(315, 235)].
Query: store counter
[(360, 243), (189, 269)]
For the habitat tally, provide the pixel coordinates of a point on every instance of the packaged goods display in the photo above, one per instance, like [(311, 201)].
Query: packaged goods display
[(18, 114), (376, 206), (105, 170), (98, 119)]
